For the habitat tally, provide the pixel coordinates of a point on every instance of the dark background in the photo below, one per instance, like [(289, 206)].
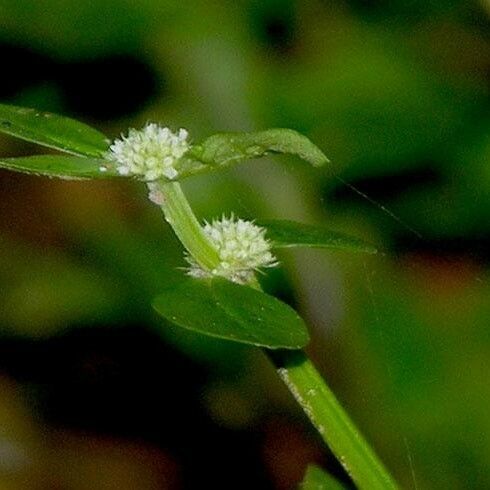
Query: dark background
[(98, 393)]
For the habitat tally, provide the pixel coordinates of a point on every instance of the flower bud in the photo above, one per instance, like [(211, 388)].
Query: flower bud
[(242, 248), (150, 153)]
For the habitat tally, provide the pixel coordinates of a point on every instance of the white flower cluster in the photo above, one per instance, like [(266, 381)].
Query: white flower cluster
[(149, 153), (242, 247)]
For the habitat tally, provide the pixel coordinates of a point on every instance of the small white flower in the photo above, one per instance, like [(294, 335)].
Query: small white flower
[(155, 194), (242, 247), (150, 153)]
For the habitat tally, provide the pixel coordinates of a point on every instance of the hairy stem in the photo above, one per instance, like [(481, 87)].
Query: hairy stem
[(330, 420), (181, 218)]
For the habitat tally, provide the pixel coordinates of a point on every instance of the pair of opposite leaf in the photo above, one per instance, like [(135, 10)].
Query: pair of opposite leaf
[(216, 307)]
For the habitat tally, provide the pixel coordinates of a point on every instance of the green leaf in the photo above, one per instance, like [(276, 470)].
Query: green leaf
[(286, 234), (44, 128), (317, 479), (223, 149), (64, 167), (220, 308)]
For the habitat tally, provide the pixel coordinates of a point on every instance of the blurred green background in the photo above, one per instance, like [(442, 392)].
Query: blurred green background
[(98, 393)]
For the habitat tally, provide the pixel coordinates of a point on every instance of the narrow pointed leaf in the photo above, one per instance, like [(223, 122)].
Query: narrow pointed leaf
[(223, 149), (61, 166), (46, 129), (287, 234), (220, 308), (317, 479)]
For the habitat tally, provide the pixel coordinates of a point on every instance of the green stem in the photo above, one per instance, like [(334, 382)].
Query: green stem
[(330, 420), (181, 218), (294, 368)]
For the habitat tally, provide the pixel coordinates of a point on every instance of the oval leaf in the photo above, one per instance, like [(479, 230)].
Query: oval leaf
[(224, 149), (44, 128), (286, 234), (64, 167), (317, 479), (220, 308)]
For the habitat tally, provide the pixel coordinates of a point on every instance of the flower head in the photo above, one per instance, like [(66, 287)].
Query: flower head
[(242, 247), (150, 153)]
